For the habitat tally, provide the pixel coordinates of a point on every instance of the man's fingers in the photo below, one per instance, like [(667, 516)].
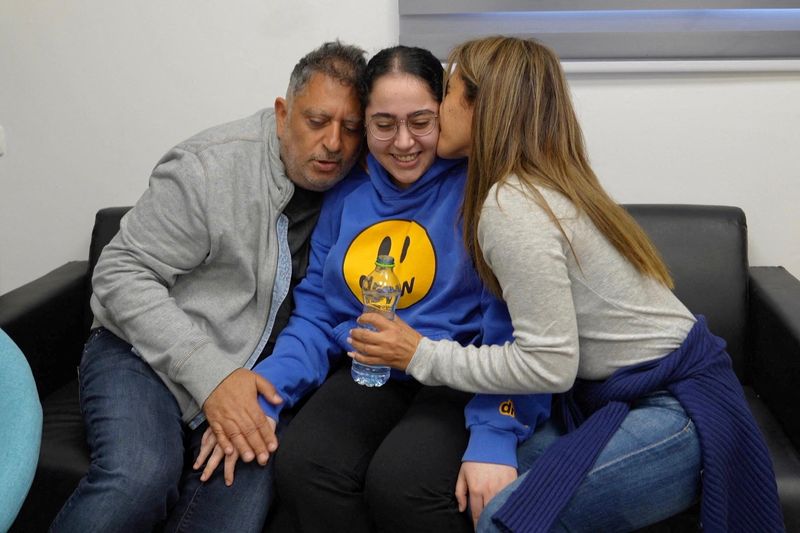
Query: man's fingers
[(265, 434), (251, 442), (236, 417), (245, 435), (222, 439), (240, 440), (261, 434), (267, 430), (461, 492), (227, 409), (230, 465)]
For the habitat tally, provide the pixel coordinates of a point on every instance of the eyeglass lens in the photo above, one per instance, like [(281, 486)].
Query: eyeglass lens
[(385, 127)]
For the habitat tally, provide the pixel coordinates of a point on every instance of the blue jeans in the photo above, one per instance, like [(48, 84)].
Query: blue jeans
[(648, 471), (141, 476)]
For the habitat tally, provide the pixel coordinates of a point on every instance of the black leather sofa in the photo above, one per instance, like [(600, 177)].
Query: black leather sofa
[(756, 309)]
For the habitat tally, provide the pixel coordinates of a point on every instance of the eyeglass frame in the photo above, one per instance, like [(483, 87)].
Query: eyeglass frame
[(399, 121)]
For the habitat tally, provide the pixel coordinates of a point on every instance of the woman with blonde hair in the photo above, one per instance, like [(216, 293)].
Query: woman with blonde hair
[(651, 416)]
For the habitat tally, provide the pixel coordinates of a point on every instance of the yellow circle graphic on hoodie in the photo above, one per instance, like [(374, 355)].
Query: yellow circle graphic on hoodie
[(412, 249)]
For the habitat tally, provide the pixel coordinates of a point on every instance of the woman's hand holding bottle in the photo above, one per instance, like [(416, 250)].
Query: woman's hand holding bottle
[(393, 343)]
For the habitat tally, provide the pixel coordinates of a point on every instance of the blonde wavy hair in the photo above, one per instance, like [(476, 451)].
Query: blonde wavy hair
[(524, 124)]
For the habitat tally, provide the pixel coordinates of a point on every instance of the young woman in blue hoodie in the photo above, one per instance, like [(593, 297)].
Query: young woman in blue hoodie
[(393, 458)]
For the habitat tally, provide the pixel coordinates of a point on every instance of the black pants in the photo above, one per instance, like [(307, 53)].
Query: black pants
[(358, 459)]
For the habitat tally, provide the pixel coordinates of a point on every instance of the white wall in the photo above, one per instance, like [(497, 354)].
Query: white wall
[(704, 138), (93, 92)]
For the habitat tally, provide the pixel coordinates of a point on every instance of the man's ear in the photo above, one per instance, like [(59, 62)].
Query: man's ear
[(281, 115)]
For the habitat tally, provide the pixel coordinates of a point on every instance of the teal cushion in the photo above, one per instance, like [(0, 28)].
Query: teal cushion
[(21, 426)]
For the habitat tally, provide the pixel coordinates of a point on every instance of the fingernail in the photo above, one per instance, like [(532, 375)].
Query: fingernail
[(349, 340), (262, 459), (248, 456)]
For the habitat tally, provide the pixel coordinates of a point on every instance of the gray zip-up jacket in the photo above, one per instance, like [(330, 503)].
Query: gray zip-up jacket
[(200, 265)]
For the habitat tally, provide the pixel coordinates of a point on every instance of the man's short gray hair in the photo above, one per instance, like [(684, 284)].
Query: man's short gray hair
[(342, 62)]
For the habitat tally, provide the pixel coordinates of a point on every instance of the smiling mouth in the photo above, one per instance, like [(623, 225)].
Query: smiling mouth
[(408, 158)]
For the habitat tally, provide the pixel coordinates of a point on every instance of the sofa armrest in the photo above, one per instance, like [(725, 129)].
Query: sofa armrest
[(46, 319), (774, 344)]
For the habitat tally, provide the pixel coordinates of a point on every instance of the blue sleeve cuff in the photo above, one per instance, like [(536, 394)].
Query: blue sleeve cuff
[(342, 332), (488, 444)]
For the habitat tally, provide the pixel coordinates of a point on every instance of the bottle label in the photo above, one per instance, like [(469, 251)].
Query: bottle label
[(382, 301)]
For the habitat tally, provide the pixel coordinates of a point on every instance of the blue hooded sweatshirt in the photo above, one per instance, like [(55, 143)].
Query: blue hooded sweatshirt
[(442, 296)]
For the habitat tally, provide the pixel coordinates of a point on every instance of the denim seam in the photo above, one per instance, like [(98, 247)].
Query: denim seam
[(187, 514), (646, 448)]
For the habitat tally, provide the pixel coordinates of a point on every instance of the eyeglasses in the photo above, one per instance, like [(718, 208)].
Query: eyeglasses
[(384, 127)]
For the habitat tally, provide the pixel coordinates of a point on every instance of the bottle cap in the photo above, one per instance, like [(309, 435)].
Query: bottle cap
[(386, 261)]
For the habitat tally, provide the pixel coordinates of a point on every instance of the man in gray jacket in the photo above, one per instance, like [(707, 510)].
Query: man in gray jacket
[(192, 292)]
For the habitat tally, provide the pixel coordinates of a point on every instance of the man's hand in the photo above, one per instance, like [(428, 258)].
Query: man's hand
[(237, 420), (480, 482), (211, 451)]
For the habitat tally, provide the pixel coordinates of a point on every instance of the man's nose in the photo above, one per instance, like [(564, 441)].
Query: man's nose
[(333, 138)]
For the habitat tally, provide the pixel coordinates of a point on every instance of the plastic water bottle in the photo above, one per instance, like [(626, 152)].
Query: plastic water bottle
[(380, 290)]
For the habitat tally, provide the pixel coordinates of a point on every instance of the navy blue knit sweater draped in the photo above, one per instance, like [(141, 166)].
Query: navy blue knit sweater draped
[(738, 483)]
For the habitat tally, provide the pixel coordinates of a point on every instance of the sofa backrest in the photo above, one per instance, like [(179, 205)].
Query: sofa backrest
[(705, 248), (106, 225)]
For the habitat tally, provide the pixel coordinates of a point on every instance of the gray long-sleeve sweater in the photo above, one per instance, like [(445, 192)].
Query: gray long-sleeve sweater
[(569, 321), (201, 263)]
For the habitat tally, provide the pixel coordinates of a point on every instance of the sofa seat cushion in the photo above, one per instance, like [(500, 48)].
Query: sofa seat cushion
[(63, 433), (785, 459), (63, 459)]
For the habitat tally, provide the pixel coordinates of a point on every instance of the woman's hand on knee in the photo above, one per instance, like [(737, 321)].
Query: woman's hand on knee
[(210, 455), (478, 483)]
